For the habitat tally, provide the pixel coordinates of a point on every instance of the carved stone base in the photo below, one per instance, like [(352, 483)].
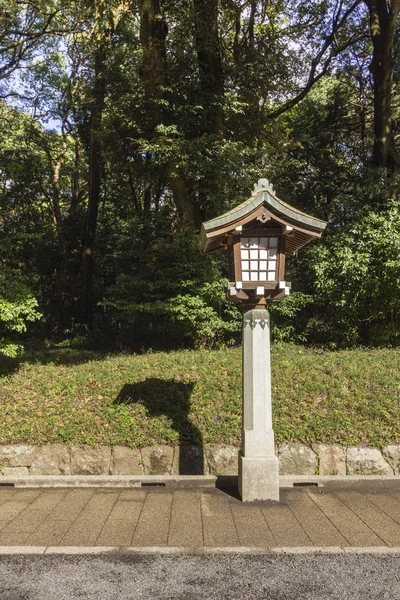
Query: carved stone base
[(258, 479)]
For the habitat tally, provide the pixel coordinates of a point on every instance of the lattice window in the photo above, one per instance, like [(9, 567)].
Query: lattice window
[(259, 258)]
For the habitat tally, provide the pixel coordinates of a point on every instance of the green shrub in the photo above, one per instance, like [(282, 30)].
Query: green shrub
[(357, 281), (17, 307)]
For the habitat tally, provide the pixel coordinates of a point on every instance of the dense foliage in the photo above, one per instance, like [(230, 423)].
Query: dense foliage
[(125, 124)]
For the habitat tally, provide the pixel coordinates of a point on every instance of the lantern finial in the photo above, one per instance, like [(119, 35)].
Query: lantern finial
[(264, 185)]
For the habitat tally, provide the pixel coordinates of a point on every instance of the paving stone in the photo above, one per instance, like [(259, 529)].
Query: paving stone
[(251, 526), (25, 521), (72, 504), (296, 459), (49, 533), (189, 460), (116, 533), (48, 500), (126, 461), (284, 527), (153, 524), (15, 472), (387, 504), (392, 455), (88, 525), (332, 459), (9, 510), (6, 494), (138, 494), (129, 509), (86, 460), (222, 460), (53, 459), (186, 524), (158, 459), (356, 532), (218, 524), (13, 538), (314, 522), (26, 495), (384, 527), (18, 455), (366, 461)]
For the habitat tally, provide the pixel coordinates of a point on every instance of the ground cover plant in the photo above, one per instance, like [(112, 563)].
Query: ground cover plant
[(193, 397)]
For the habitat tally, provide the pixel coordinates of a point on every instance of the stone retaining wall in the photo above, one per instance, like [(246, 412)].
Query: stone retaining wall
[(294, 459)]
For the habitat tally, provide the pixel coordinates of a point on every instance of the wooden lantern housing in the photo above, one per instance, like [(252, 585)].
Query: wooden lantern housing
[(258, 234)]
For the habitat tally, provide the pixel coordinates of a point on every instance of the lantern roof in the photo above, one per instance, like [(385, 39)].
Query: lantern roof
[(263, 208)]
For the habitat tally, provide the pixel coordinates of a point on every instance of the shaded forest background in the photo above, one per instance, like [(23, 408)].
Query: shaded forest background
[(125, 124)]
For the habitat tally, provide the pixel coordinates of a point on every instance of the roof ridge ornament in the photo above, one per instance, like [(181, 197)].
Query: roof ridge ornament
[(264, 185)]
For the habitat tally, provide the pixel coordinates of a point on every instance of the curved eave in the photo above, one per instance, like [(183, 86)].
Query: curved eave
[(305, 227)]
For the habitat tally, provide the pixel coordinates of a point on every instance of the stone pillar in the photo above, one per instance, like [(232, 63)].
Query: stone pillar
[(258, 465)]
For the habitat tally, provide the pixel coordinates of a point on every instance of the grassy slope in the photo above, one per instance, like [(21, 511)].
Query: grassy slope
[(187, 397)]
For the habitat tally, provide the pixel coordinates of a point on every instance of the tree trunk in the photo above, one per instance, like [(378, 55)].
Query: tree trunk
[(210, 64), (153, 32), (188, 212), (382, 28), (99, 90), (211, 90)]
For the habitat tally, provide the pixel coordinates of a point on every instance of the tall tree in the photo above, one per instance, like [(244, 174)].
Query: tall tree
[(383, 23), (106, 18), (96, 115)]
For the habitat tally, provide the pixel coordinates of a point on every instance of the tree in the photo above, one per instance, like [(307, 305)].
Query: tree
[(17, 308), (384, 31), (160, 115)]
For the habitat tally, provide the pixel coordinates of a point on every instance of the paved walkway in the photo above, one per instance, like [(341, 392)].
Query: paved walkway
[(357, 518)]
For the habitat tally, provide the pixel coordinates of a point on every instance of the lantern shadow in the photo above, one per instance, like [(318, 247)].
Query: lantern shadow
[(171, 399)]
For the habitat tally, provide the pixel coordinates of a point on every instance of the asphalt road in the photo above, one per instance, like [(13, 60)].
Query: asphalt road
[(295, 577)]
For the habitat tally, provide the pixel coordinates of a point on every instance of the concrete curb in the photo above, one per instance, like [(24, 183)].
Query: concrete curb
[(194, 551), (177, 481)]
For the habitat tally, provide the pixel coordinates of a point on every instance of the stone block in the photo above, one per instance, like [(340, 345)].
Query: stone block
[(189, 460), (17, 456), (88, 460), (297, 459), (366, 461), (158, 459), (222, 460), (258, 479), (126, 461), (53, 459), (392, 455), (332, 459), (15, 472)]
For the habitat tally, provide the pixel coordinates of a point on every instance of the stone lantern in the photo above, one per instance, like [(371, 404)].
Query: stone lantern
[(258, 235)]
